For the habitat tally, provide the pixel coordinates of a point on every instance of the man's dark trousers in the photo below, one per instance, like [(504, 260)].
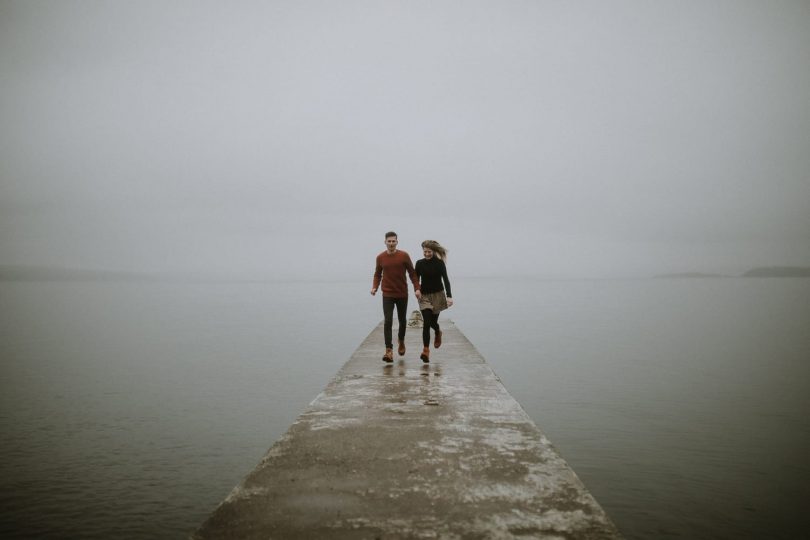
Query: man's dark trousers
[(388, 311)]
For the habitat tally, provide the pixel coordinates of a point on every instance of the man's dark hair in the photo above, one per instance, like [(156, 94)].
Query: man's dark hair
[(390, 234)]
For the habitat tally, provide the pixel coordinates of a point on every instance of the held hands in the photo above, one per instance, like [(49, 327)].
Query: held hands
[(418, 294)]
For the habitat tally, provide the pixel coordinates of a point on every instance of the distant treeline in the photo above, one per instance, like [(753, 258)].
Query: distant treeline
[(763, 271), (44, 273), (779, 271)]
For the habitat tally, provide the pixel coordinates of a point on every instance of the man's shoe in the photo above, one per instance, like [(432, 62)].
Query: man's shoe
[(437, 342), (425, 356), (389, 355), (401, 349)]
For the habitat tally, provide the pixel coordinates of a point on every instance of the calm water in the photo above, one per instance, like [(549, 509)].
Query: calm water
[(131, 409)]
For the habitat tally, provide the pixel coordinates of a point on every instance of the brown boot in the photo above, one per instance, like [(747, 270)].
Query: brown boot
[(438, 341), (389, 355), (425, 356), (401, 349)]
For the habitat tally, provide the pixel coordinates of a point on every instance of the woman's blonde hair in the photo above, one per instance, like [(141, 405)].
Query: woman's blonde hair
[(437, 249)]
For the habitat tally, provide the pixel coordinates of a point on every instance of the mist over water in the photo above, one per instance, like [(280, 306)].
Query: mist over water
[(132, 409), (282, 139)]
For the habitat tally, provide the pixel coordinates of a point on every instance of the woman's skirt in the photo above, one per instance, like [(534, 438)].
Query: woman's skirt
[(435, 301)]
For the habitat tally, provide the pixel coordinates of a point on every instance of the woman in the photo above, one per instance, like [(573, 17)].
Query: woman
[(431, 272)]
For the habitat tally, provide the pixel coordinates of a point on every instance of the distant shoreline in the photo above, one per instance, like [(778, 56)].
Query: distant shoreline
[(678, 275), (778, 271), (23, 273), (45, 273), (761, 271)]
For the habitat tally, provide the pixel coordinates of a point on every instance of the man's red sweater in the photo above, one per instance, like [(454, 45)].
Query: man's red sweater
[(391, 269)]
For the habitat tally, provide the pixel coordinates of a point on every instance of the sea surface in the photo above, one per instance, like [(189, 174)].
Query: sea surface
[(130, 409)]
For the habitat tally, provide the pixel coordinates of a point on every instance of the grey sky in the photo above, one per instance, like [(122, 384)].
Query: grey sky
[(284, 138)]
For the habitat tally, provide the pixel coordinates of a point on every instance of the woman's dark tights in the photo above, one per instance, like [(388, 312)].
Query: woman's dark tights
[(430, 320)]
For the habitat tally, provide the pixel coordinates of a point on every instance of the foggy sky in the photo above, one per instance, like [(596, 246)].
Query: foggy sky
[(548, 138)]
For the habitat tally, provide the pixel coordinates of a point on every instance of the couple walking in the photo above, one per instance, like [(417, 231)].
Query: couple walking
[(427, 277)]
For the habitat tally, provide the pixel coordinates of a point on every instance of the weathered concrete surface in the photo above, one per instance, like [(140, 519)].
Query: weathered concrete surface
[(412, 451)]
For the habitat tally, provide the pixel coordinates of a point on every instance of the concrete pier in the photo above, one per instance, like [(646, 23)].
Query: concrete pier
[(411, 450)]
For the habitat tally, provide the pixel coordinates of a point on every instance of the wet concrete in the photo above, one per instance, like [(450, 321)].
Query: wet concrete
[(412, 450)]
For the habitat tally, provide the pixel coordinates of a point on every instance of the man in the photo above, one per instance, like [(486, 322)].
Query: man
[(392, 266)]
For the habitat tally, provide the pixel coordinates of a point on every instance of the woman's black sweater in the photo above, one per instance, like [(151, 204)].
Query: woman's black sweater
[(431, 273)]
